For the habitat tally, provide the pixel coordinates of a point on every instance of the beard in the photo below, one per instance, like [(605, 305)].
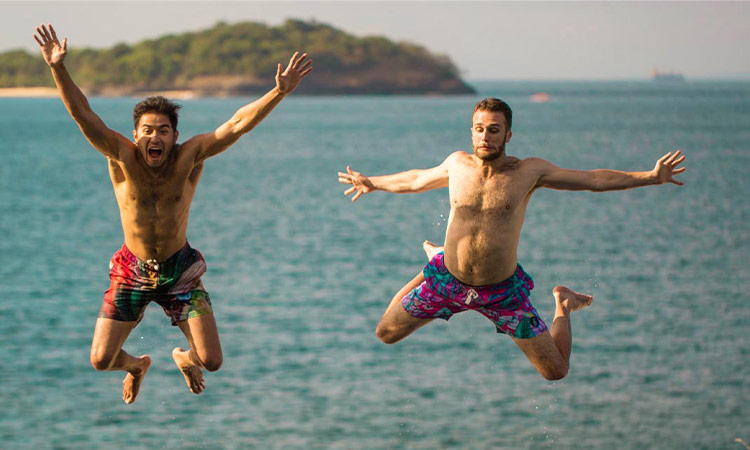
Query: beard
[(489, 155)]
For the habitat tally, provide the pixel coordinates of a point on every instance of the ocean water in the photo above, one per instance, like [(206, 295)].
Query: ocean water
[(299, 277)]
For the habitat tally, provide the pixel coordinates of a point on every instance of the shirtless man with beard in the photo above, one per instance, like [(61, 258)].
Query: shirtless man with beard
[(154, 180), (478, 268)]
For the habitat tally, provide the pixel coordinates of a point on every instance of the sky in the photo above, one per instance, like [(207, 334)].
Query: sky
[(486, 40)]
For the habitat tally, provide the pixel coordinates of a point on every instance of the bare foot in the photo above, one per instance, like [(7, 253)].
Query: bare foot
[(193, 374), (431, 249), (571, 300), (132, 382)]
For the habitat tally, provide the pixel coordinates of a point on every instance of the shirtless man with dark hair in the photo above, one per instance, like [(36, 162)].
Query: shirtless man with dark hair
[(154, 180), (478, 268)]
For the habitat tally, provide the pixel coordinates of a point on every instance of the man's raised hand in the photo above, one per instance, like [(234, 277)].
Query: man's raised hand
[(666, 168), (297, 69), (360, 183), (53, 52)]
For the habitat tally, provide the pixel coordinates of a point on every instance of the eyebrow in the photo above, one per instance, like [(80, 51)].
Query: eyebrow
[(156, 126)]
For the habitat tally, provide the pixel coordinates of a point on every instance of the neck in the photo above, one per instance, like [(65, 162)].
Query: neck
[(499, 164)]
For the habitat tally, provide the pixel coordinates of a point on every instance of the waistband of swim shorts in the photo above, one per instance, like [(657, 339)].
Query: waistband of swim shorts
[(518, 274), (169, 262)]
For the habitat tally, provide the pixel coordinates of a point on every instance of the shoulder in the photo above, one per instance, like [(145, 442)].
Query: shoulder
[(191, 144), (536, 164), (190, 149), (457, 156), (125, 152)]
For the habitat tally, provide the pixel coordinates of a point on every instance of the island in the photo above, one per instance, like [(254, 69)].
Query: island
[(240, 59)]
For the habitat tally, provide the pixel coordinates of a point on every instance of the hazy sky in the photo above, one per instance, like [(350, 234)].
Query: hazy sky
[(487, 40)]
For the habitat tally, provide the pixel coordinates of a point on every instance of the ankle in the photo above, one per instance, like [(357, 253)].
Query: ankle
[(562, 310)]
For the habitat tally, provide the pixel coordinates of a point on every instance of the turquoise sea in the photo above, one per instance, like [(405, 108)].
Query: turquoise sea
[(299, 276)]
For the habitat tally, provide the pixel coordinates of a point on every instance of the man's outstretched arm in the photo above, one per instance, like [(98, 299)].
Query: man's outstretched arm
[(93, 128), (600, 180), (410, 181), (247, 117)]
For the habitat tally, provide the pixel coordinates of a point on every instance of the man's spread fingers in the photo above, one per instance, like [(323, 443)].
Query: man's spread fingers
[(46, 33)]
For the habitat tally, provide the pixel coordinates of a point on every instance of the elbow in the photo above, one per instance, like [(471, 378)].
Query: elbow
[(597, 184)]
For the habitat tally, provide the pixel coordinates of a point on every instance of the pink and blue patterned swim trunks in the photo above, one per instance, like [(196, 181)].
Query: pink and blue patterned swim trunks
[(506, 303)]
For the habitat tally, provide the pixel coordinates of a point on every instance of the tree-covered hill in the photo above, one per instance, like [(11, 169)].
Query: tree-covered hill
[(241, 58)]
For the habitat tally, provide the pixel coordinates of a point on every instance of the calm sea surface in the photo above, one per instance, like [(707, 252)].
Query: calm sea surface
[(299, 276)]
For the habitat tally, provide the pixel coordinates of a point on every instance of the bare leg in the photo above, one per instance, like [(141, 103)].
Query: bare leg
[(204, 352), (107, 354), (550, 351), (396, 323)]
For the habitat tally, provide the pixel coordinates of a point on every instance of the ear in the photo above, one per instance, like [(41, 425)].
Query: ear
[(508, 136), (135, 137), (176, 135)]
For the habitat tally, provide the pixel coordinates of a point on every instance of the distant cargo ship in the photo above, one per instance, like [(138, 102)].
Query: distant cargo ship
[(666, 76)]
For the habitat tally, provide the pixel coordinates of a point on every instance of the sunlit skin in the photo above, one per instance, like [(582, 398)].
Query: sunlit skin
[(489, 192), (154, 181)]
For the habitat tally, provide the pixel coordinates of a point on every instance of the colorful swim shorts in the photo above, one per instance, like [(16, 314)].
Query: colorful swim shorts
[(174, 284), (506, 303)]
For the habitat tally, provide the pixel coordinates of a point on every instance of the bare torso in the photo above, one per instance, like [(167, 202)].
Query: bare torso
[(155, 203), (488, 205)]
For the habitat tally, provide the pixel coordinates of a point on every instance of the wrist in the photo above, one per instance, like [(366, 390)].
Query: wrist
[(57, 66)]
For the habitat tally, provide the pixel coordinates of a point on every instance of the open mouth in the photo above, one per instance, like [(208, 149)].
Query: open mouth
[(154, 153)]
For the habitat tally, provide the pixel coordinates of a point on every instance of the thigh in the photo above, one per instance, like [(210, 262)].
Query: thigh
[(542, 352), (203, 336), (396, 320), (109, 336)]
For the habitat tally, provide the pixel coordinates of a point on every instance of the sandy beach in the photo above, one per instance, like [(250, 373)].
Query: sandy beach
[(22, 92), (47, 92)]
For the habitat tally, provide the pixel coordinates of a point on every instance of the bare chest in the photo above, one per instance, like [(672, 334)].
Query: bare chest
[(497, 196), (146, 191)]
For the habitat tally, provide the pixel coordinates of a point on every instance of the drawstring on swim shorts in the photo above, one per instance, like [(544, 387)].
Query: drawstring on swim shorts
[(470, 296), (153, 264)]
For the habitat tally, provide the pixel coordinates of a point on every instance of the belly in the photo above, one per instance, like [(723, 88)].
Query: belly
[(155, 233), (480, 253)]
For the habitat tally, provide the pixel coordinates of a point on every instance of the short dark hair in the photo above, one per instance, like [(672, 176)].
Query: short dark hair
[(493, 104), (159, 105)]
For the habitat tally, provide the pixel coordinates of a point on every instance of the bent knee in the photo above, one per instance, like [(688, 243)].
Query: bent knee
[(101, 361), (387, 334), (212, 363), (555, 373)]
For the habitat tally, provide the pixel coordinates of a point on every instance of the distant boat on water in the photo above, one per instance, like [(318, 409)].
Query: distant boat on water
[(666, 76), (539, 97)]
